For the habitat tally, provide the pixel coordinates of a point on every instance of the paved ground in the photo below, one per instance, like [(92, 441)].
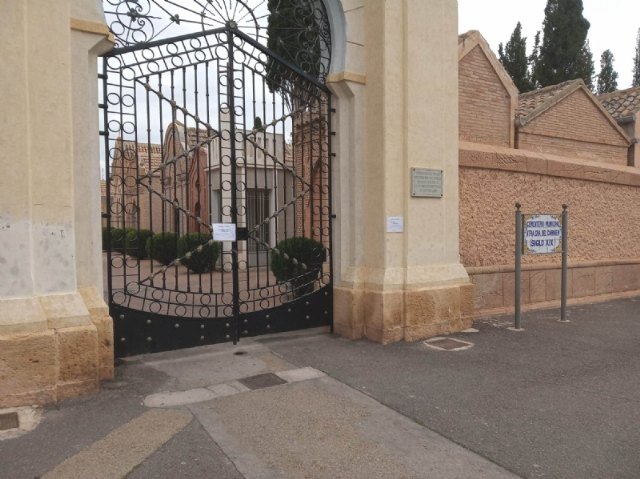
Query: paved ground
[(555, 401)]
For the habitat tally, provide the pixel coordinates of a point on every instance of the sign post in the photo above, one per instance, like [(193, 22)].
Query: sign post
[(519, 237), (565, 262), (541, 234)]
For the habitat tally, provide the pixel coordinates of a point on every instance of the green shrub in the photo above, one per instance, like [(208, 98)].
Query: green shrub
[(198, 261), (105, 233), (299, 251), (118, 239), (162, 247), (136, 242)]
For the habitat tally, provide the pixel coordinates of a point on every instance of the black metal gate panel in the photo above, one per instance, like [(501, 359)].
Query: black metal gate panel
[(214, 128)]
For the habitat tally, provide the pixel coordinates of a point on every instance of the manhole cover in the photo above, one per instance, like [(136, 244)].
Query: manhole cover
[(448, 344), (9, 421), (262, 381)]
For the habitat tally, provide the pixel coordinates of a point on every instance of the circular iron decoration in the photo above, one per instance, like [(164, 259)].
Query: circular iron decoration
[(296, 30)]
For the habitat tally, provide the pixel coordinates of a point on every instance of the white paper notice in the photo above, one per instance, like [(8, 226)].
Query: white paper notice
[(395, 224), (224, 231)]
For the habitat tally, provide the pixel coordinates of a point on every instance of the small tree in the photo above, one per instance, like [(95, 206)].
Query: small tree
[(608, 77), (636, 63), (513, 57)]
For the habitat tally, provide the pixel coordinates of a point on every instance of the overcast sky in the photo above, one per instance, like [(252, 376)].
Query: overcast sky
[(614, 26)]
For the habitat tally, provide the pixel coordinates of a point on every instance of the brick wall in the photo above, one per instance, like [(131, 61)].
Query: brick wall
[(575, 127), (485, 105)]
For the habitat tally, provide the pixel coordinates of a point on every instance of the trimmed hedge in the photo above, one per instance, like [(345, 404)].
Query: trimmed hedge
[(304, 251), (136, 242), (198, 261), (162, 247), (118, 238), (105, 233)]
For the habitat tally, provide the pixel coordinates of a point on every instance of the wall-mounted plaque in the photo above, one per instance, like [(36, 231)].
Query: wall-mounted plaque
[(426, 183)]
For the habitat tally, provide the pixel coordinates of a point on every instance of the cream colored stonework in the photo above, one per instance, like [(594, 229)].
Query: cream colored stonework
[(52, 337), (410, 285), (395, 92)]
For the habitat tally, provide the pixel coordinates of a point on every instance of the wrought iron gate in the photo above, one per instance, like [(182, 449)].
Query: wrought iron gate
[(214, 127)]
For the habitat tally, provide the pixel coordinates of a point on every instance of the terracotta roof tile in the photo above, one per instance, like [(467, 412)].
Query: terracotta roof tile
[(532, 101), (148, 155), (621, 103)]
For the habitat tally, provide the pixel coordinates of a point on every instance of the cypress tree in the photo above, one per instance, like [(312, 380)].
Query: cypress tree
[(513, 57), (292, 33), (533, 60), (636, 63), (564, 53), (608, 77)]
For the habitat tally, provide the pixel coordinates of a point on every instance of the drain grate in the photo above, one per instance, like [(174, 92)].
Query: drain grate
[(9, 421), (261, 381), (448, 344)]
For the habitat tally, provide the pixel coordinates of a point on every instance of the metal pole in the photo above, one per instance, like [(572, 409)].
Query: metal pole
[(565, 261), (518, 265)]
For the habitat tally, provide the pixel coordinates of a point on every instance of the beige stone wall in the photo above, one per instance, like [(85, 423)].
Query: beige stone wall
[(575, 128), (486, 114), (55, 338), (604, 251), (393, 115)]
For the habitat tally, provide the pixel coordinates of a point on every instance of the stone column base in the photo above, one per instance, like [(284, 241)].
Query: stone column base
[(409, 315), (52, 348)]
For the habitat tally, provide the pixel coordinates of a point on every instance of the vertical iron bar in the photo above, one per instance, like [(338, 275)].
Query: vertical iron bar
[(565, 261), (329, 218), (518, 313), (234, 186), (107, 172)]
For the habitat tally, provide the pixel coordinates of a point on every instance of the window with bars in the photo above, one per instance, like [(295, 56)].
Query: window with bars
[(258, 209)]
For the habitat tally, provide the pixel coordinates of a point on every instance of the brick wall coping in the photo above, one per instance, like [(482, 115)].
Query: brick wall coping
[(509, 268), (476, 155)]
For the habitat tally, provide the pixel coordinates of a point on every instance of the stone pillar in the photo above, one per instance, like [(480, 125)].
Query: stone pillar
[(400, 100), (55, 333)]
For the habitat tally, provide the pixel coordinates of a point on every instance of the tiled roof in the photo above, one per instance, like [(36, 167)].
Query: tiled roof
[(463, 36), (197, 136), (621, 103), (148, 154), (541, 99)]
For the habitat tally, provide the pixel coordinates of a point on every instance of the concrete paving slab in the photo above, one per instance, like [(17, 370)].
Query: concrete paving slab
[(190, 454), (323, 429), (179, 398), (300, 374), (214, 365)]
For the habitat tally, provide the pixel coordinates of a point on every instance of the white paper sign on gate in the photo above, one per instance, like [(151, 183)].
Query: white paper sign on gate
[(224, 231), (542, 234)]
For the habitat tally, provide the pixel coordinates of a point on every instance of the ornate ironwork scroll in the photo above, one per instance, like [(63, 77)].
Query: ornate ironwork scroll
[(296, 30)]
